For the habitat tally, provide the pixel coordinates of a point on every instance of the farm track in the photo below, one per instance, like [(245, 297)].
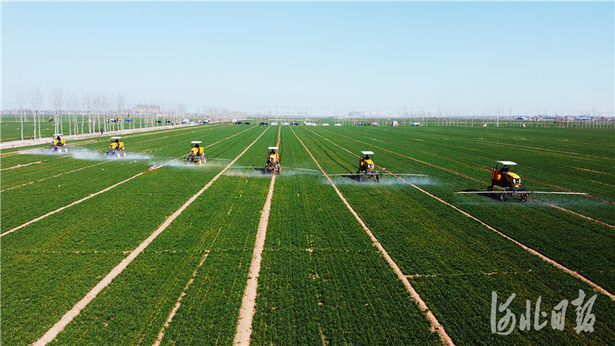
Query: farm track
[(248, 305), (468, 177), (70, 315), (435, 325)]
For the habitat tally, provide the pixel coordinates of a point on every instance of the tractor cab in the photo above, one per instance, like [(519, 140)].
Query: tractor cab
[(57, 139), (57, 143), (273, 155), (366, 163), (367, 167), (116, 148), (504, 175), (116, 143), (197, 154), (273, 161)]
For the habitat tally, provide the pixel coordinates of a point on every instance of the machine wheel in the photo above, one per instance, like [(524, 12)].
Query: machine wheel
[(361, 178), (117, 155), (378, 178), (503, 197), (199, 162), (123, 153)]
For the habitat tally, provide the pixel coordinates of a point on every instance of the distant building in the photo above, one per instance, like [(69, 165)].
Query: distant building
[(146, 109)]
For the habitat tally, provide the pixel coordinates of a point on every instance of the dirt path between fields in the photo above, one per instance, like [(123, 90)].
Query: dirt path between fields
[(101, 191), (528, 249), (248, 304), (72, 313), (435, 325)]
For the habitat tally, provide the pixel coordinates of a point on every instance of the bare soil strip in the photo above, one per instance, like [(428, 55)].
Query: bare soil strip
[(528, 249), (414, 276), (103, 190), (68, 317), (465, 176), (19, 166), (591, 170), (248, 304), (435, 325), (178, 303)]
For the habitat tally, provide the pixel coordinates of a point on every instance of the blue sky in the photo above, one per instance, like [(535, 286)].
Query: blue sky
[(326, 56)]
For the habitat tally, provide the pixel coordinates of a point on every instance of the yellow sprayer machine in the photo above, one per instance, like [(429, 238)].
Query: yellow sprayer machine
[(196, 155), (57, 144), (504, 176), (273, 161), (367, 167), (116, 148)]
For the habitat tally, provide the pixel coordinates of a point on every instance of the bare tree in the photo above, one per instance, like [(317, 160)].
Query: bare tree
[(87, 101), (21, 102), (35, 97), (57, 101), (121, 100), (73, 127)]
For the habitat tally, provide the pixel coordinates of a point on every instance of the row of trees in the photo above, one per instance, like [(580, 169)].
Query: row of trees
[(95, 112)]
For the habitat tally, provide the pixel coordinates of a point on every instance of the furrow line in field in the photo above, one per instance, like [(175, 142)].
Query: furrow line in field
[(591, 170), (71, 314), (81, 200), (101, 191), (178, 303), (248, 304), (19, 166), (530, 250), (435, 325), (444, 169)]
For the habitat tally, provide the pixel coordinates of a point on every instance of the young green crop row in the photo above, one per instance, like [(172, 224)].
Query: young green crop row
[(465, 261), (82, 244), (321, 280), (532, 223), (56, 186)]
